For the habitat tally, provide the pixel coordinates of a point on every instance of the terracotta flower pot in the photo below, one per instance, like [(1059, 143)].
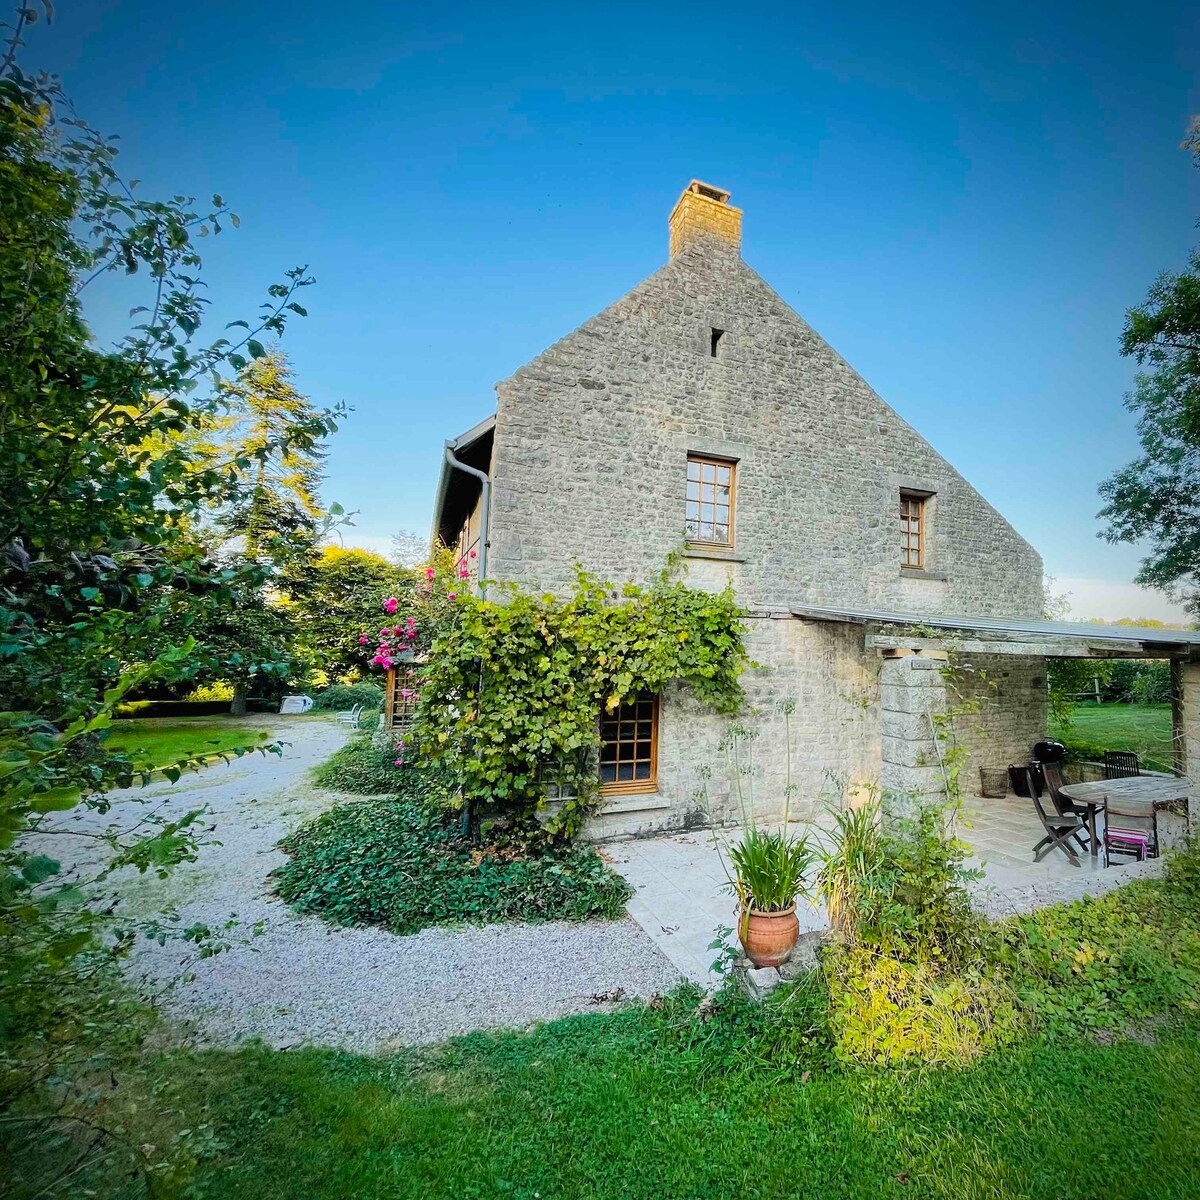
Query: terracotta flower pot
[(768, 937)]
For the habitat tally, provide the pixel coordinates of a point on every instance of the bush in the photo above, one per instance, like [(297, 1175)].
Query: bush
[(1153, 685), (1077, 750), (396, 864), (886, 1010), (342, 696)]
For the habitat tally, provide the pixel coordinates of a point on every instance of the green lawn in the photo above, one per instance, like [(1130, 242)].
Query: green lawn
[(161, 742), (627, 1107), (1145, 728)]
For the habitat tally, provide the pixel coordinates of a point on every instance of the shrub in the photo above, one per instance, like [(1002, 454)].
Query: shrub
[(396, 864), (885, 1009), (342, 696), (1153, 685)]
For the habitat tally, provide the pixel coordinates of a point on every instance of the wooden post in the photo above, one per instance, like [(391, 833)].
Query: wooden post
[(389, 697), (1178, 744)]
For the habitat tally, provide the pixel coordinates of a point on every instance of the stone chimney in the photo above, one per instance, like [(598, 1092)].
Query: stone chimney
[(704, 211)]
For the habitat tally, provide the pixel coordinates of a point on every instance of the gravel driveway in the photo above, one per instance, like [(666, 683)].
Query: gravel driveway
[(303, 981)]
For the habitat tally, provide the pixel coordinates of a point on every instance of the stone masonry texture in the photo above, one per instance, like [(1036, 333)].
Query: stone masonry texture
[(591, 446)]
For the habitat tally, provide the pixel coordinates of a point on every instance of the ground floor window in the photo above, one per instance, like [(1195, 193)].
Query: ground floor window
[(629, 746)]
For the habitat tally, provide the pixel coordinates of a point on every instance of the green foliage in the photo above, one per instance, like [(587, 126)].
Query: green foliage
[(886, 1009), (852, 863), (340, 697), (365, 769), (771, 868), (1153, 684), (901, 884), (395, 864), (1110, 962), (907, 974), (1154, 498), (1067, 678), (107, 577), (341, 599), (615, 1105), (512, 694)]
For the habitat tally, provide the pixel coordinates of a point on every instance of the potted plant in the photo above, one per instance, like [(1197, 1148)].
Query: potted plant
[(769, 865), (769, 874)]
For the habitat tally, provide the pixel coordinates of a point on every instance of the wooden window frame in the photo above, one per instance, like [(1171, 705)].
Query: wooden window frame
[(625, 787), (717, 463), (920, 501)]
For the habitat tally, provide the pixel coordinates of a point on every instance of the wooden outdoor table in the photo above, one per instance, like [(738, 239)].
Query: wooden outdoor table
[(1155, 791)]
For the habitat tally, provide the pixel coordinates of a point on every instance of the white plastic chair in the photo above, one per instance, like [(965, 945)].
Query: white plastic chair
[(350, 716)]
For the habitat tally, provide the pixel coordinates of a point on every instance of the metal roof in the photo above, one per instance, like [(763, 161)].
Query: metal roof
[(1081, 630)]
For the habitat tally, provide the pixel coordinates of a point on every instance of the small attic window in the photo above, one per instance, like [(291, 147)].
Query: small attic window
[(714, 341)]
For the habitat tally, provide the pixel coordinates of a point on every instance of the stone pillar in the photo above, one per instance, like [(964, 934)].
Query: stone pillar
[(911, 690), (1188, 702)]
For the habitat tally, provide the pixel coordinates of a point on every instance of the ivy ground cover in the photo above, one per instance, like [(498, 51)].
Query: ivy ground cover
[(404, 865)]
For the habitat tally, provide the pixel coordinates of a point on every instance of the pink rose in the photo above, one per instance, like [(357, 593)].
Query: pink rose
[(453, 596), (429, 572), (362, 641), (472, 553), (390, 605)]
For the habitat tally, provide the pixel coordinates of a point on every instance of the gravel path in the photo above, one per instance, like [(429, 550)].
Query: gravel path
[(305, 982)]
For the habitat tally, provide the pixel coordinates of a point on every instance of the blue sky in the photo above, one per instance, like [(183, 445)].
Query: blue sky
[(962, 198)]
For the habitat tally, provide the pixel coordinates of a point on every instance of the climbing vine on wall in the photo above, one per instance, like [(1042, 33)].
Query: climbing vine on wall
[(511, 694)]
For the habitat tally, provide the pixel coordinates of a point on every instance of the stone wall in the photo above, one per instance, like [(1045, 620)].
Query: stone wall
[(592, 439), (589, 463), (997, 711), (835, 733)]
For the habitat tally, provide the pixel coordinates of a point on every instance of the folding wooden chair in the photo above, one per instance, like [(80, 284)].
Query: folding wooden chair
[(1060, 828), (1052, 773), (1121, 764), (1132, 832)]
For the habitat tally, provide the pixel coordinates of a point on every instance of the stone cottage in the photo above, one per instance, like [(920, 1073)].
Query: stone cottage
[(700, 406)]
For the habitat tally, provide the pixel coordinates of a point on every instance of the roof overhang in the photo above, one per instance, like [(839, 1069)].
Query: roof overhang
[(887, 630), (456, 446)]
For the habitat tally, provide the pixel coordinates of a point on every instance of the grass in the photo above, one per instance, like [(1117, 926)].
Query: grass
[(403, 865), (692, 1098), (1144, 728), (163, 742), (626, 1107)]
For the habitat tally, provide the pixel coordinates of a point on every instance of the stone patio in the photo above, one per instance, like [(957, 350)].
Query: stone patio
[(681, 898)]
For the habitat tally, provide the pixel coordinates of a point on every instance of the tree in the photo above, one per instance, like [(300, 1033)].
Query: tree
[(1156, 497), (105, 581), (278, 513), (343, 601)]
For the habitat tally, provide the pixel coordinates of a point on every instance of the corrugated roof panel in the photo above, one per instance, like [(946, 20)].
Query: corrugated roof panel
[(1081, 630)]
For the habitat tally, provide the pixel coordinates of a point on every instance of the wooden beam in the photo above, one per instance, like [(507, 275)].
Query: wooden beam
[(1061, 648)]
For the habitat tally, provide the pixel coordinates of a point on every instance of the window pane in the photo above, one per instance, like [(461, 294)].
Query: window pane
[(706, 512), (723, 475), (643, 771), (608, 773), (693, 471), (692, 510), (625, 772), (693, 491), (720, 533), (708, 472)]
